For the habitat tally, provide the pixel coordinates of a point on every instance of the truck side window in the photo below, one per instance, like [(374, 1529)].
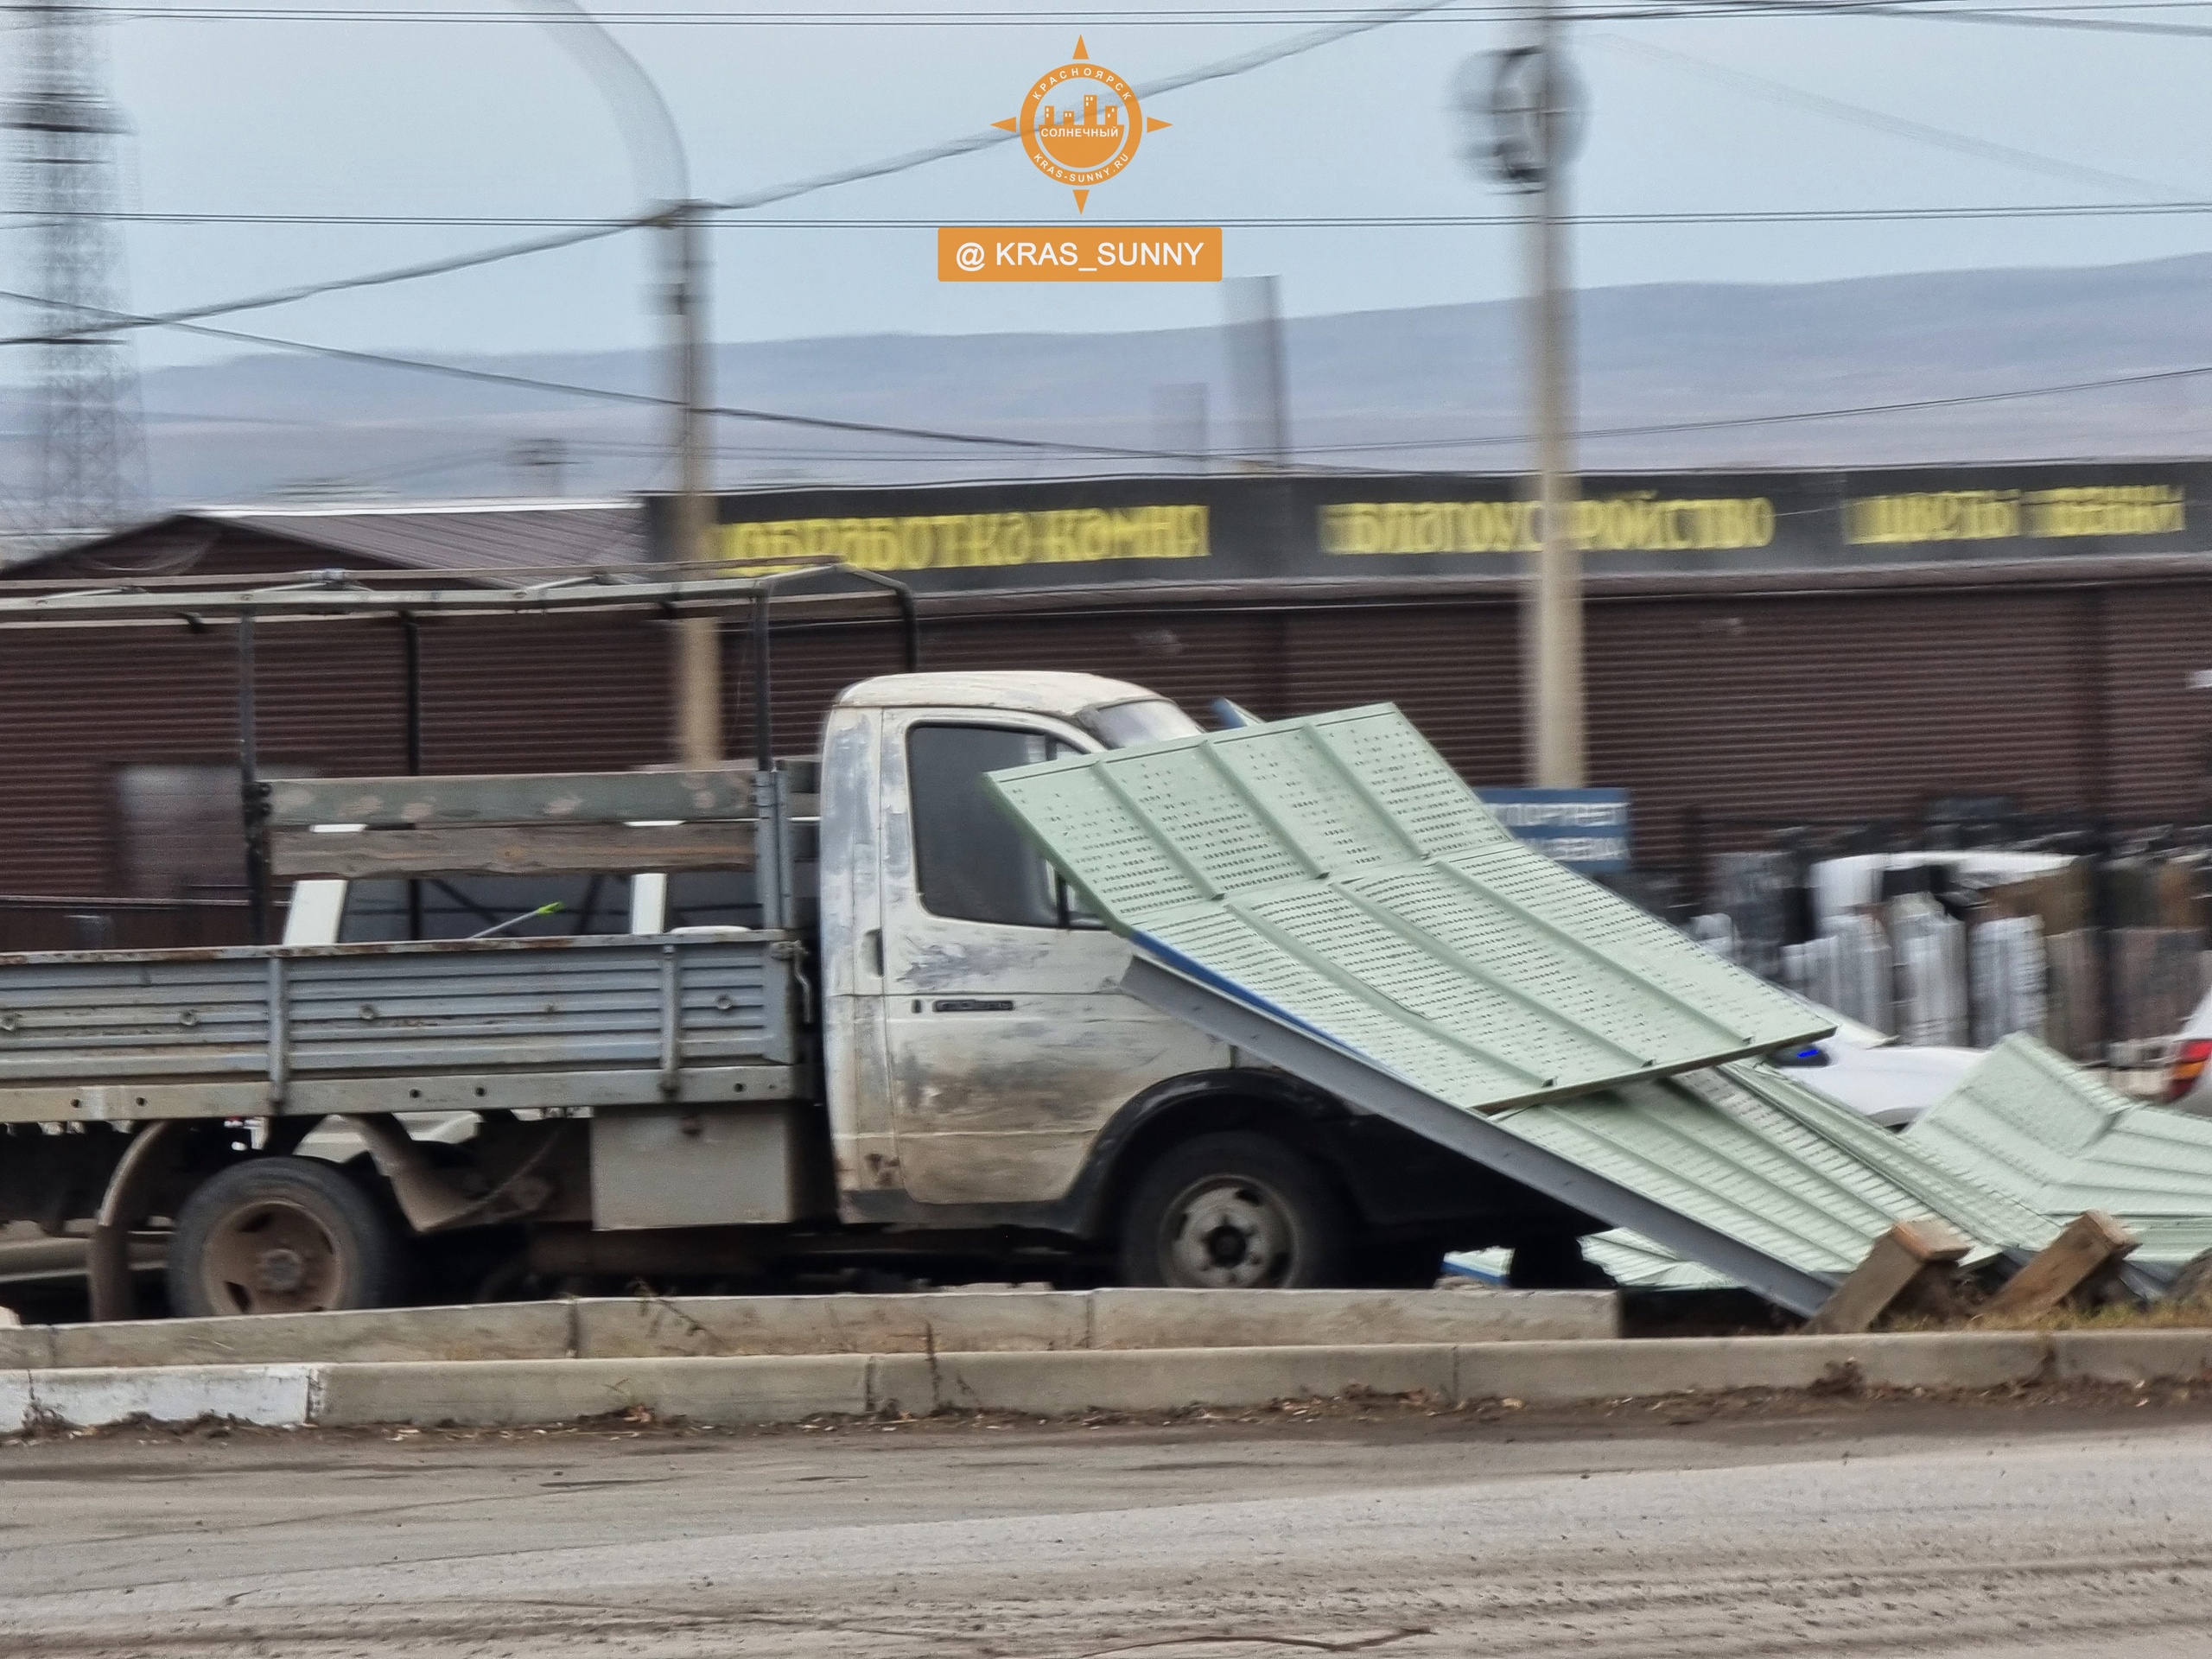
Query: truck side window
[(971, 864)]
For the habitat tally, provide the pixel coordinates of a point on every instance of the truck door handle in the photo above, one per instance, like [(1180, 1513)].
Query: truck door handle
[(871, 943), (973, 1005)]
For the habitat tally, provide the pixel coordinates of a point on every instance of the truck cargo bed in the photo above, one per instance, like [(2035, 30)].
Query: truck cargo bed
[(472, 1024)]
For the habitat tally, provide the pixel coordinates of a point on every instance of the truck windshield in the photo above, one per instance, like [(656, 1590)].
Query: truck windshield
[(1150, 720)]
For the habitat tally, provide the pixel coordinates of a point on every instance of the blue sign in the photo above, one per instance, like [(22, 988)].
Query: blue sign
[(1586, 830)]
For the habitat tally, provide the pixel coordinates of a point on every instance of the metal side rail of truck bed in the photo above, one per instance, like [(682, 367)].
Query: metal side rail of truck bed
[(271, 1031)]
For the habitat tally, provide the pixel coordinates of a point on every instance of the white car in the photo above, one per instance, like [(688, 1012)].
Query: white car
[(2189, 1065), (1877, 1076)]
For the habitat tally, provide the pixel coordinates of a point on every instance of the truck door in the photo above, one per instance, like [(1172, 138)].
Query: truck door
[(1008, 1044)]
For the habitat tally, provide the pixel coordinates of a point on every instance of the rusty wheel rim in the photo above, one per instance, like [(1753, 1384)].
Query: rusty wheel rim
[(274, 1257)]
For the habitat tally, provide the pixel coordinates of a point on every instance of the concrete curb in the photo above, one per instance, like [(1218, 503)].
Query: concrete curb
[(971, 1321), (782, 1388)]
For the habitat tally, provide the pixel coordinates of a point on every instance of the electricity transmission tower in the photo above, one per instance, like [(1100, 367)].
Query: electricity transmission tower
[(91, 456)]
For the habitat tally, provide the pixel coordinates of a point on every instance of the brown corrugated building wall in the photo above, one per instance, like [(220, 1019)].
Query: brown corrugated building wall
[(1817, 695)]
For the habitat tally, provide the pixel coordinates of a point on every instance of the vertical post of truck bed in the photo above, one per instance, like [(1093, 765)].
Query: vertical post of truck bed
[(771, 848), (254, 810), (410, 634), (764, 717)]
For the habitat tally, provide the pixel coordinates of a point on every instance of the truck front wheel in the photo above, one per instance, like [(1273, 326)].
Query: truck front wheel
[(281, 1235), (1234, 1210)]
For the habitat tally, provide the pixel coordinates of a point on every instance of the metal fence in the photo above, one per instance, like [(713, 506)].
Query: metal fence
[(1961, 930)]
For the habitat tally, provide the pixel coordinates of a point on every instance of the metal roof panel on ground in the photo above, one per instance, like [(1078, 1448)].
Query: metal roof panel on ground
[(1800, 1177), (2028, 1123), (1327, 894)]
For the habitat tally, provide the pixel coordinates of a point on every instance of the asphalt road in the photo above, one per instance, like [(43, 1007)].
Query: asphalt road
[(1901, 1530)]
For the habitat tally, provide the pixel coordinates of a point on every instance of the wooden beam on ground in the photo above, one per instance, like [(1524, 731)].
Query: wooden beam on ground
[(518, 849), (1901, 1260), (2091, 1243)]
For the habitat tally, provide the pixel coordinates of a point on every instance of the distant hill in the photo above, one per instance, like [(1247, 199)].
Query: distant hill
[(1661, 354)]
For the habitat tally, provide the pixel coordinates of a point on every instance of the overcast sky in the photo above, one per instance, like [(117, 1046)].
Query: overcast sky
[(344, 114)]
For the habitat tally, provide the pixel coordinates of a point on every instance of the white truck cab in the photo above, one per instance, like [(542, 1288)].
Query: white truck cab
[(975, 1038)]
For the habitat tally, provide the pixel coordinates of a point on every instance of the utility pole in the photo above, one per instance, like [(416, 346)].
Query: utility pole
[(1552, 628), (698, 671), (1533, 121), (91, 450)]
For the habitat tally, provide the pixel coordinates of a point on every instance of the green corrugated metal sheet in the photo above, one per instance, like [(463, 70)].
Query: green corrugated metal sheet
[(1335, 870), (1759, 1156), (1632, 1260), (1334, 877), (2027, 1124)]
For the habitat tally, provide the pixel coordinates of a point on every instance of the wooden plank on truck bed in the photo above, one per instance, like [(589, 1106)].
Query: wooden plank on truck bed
[(583, 797), (512, 849)]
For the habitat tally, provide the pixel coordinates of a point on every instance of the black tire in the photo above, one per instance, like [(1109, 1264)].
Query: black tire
[(1234, 1210), (281, 1236)]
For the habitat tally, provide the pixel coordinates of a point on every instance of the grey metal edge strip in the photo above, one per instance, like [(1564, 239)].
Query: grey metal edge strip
[(1474, 1136)]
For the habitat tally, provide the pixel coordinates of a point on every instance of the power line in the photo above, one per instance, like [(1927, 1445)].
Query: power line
[(2180, 207), (610, 394), (1904, 406), (1070, 447), (1879, 121), (988, 137), (346, 284), (1453, 11), (2101, 25), (2004, 17)]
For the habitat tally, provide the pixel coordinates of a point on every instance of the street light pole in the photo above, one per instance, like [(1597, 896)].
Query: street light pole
[(1552, 615), (663, 171)]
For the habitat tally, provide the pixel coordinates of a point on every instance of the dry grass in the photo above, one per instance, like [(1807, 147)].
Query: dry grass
[(2114, 1316)]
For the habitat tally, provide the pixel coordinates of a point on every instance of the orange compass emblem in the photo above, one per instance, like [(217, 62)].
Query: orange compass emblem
[(1090, 129)]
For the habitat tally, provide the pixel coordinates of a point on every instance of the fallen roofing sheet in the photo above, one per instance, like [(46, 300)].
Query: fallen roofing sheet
[(1750, 1150), (2027, 1124), (1630, 1260), (1326, 894), (1336, 870)]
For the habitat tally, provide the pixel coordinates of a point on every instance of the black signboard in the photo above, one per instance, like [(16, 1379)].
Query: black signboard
[(1059, 533)]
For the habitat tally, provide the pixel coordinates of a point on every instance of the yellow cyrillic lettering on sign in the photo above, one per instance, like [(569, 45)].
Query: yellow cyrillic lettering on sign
[(962, 540), (2108, 510), (1639, 523), (2001, 515), (1932, 515)]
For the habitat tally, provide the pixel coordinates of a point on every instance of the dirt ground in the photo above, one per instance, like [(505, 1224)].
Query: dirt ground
[(2043, 1520)]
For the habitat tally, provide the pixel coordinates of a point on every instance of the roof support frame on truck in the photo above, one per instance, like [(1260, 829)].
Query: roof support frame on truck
[(668, 591), (1470, 1133)]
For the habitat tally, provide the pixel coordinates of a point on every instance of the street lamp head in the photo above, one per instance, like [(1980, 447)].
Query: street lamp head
[(1520, 114)]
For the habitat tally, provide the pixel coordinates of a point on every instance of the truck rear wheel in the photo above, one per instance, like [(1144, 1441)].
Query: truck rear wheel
[(281, 1236), (1233, 1210)]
